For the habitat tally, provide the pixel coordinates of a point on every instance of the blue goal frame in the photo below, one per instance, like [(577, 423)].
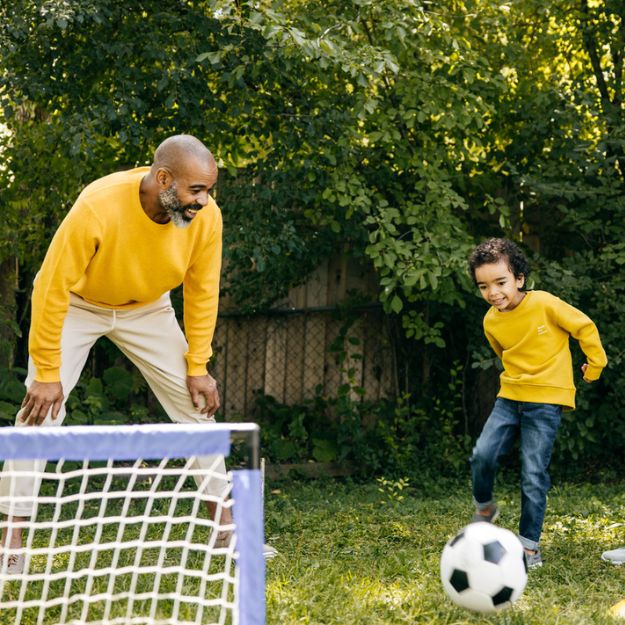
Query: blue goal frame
[(168, 440)]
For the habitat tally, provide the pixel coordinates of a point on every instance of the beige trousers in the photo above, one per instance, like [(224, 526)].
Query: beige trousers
[(152, 339)]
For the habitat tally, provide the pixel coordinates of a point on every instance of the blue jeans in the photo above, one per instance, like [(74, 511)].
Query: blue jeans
[(538, 425)]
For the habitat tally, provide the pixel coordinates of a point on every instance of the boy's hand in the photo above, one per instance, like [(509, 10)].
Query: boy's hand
[(584, 367)]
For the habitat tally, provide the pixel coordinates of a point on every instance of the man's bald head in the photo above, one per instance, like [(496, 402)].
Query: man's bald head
[(178, 151)]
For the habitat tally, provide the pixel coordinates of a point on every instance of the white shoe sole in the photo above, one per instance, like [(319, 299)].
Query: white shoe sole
[(615, 562)]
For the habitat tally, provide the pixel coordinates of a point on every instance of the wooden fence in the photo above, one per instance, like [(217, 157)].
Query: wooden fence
[(308, 344)]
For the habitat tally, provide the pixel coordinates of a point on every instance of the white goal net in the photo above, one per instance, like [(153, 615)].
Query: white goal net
[(126, 527)]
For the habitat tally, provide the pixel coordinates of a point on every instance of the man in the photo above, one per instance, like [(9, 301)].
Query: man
[(128, 240)]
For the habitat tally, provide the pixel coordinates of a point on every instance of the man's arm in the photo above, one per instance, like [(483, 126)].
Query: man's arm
[(201, 298), (71, 250)]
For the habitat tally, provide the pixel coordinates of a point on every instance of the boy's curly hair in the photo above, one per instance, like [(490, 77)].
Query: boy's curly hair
[(494, 250)]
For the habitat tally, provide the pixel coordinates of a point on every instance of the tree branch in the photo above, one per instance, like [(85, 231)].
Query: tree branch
[(611, 106), (617, 55), (591, 47)]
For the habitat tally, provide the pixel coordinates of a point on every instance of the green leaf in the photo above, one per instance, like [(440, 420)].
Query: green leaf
[(396, 304)]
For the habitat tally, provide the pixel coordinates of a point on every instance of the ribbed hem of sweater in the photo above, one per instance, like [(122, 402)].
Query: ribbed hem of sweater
[(538, 394)]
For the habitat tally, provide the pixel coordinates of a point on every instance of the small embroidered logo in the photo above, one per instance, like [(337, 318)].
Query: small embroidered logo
[(542, 329)]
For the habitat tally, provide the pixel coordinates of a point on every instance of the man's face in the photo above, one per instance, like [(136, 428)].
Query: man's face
[(189, 192), (181, 214)]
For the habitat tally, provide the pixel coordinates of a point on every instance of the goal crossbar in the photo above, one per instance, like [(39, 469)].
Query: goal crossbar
[(121, 442)]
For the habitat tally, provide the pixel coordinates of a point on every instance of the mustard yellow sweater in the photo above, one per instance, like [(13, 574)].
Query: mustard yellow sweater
[(110, 253), (532, 341)]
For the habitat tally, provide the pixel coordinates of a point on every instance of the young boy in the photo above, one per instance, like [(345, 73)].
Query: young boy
[(529, 331)]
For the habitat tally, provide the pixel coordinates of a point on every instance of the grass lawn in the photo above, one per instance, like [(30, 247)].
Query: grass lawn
[(350, 554)]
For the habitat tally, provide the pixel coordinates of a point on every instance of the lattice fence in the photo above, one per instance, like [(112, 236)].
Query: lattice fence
[(294, 354)]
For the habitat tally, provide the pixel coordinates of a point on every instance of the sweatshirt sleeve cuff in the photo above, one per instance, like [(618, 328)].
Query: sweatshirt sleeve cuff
[(592, 373), (196, 369), (48, 375)]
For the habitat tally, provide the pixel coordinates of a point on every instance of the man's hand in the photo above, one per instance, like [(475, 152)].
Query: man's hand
[(40, 397), (204, 393), (584, 367)]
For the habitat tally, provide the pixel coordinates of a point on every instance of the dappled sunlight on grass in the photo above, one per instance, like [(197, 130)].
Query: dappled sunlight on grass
[(347, 556)]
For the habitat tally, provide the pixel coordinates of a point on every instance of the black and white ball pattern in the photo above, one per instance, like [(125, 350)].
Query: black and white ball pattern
[(483, 568)]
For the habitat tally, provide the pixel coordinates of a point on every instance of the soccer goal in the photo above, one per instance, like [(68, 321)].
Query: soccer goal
[(126, 525)]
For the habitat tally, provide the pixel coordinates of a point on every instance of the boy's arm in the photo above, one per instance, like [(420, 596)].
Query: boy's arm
[(582, 328), (497, 348)]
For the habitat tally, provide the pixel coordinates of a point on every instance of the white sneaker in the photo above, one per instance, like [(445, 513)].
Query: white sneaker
[(14, 564), (269, 552), (615, 556)]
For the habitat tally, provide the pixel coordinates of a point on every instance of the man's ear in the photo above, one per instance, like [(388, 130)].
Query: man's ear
[(164, 178)]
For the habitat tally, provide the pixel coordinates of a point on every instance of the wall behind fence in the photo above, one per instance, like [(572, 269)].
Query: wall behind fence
[(311, 343)]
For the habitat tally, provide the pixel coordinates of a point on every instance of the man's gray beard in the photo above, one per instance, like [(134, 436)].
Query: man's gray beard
[(173, 207)]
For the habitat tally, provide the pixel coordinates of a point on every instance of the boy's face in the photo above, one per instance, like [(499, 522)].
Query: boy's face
[(499, 286)]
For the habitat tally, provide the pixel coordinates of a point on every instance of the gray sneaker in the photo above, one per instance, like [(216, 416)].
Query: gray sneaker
[(615, 556), (491, 517), (533, 560), (269, 551), (14, 564)]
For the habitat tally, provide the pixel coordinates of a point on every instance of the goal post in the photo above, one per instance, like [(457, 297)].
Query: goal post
[(120, 529)]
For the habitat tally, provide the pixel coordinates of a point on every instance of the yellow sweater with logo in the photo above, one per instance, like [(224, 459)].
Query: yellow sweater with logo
[(532, 341), (110, 253)]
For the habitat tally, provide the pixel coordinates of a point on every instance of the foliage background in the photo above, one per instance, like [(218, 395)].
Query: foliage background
[(400, 131)]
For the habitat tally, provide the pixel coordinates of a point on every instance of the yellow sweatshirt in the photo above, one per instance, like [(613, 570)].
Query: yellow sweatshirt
[(532, 341), (110, 253)]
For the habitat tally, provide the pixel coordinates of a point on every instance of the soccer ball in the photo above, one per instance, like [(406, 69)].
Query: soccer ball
[(483, 568)]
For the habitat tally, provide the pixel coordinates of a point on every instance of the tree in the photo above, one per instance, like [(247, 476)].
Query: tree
[(399, 130)]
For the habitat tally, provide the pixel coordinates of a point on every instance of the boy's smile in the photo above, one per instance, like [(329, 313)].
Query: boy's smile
[(499, 286)]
